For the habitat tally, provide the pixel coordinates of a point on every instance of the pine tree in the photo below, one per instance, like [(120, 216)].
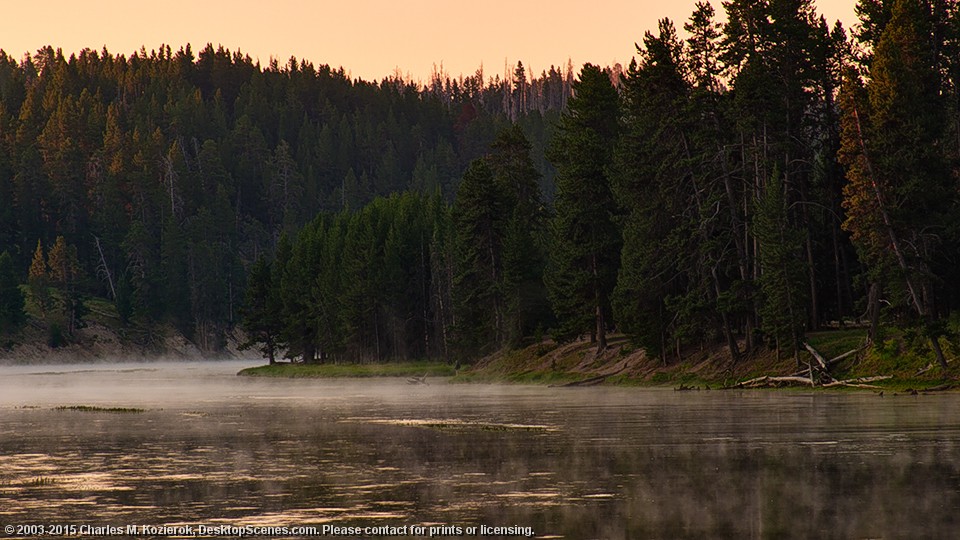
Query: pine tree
[(38, 280), (586, 241), (703, 50), (652, 171), (284, 189), (899, 191), (781, 279), (524, 244), (262, 316), (480, 216), (65, 276)]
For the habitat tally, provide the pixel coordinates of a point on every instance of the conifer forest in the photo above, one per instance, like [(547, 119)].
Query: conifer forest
[(737, 185)]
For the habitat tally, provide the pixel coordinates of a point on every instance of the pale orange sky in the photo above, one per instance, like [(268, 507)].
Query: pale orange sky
[(369, 38)]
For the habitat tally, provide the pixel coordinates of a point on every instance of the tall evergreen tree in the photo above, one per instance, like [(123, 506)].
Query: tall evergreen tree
[(781, 279), (524, 244), (586, 241), (480, 218), (38, 280), (65, 274), (900, 199), (262, 315)]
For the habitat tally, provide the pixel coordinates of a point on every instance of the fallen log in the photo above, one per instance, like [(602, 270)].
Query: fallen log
[(860, 382), (748, 383), (929, 366), (941, 387), (806, 371), (768, 381), (842, 356), (816, 355)]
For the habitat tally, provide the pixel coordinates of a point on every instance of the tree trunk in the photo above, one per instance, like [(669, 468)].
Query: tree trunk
[(601, 330), (814, 304), (935, 343), (837, 274), (873, 311), (725, 322)]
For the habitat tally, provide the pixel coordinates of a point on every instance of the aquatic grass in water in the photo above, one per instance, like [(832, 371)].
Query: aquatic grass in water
[(459, 425), (41, 481), (89, 408)]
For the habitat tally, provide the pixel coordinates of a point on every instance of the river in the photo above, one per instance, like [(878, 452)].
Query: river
[(208, 448)]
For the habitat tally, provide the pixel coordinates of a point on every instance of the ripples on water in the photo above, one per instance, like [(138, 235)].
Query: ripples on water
[(211, 448)]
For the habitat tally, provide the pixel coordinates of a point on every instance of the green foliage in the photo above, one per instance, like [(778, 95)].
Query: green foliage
[(650, 167), (901, 205), (525, 235), (38, 280), (781, 279), (262, 314), (585, 242), (65, 276), (357, 285), (480, 219), (187, 167)]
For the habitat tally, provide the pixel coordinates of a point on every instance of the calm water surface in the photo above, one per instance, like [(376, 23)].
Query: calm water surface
[(213, 448)]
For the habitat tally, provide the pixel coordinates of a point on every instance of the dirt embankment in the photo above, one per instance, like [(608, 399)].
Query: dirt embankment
[(829, 358), (622, 363)]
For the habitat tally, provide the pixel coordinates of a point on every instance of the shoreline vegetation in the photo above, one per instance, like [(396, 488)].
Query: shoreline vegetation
[(897, 362), (847, 364)]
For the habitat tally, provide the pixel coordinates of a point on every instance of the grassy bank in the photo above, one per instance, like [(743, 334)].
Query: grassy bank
[(578, 363), (320, 371), (907, 364)]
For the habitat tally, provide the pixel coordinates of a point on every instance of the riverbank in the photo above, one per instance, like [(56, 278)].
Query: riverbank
[(891, 366), (897, 356)]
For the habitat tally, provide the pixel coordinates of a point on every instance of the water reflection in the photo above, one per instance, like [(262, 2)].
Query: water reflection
[(573, 463)]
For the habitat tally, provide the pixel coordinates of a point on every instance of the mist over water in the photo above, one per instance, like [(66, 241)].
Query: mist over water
[(213, 448)]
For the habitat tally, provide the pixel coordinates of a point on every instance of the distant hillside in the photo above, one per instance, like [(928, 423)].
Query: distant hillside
[(170, 171)]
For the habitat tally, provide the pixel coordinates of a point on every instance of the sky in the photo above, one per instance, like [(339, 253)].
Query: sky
[(371, 39)]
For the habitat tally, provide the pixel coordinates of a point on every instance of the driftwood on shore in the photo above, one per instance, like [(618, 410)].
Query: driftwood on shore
[(816, 355), (773, 382), (818, 373)]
